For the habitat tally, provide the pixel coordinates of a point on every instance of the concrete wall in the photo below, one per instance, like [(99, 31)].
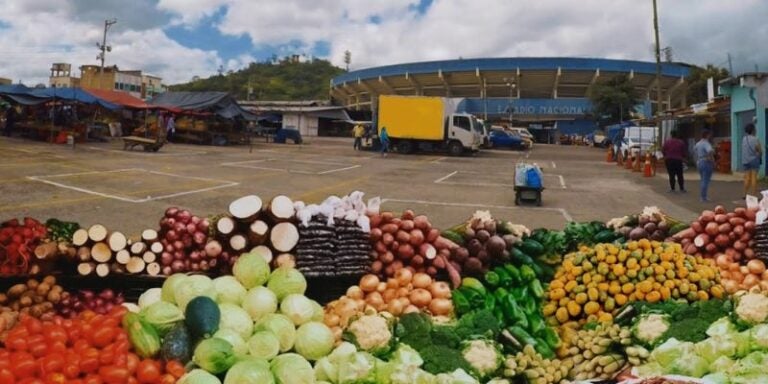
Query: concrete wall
[(307, 125), (743, 100)]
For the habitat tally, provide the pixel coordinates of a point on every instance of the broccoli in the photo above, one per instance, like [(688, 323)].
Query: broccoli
[(441, 359), (414, 329), (481, 323), (445, 335)]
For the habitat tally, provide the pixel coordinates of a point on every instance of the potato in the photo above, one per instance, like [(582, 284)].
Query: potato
[(17, 290)]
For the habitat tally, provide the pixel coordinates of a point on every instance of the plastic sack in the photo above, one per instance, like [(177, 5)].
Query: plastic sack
[(374, 206), (364, 222), (533, 178), (520, 175)]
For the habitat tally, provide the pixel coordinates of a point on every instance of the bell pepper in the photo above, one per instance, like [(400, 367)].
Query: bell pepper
[(490, 303), (543, 349), (536, 323), (522, 335), (514, 273), (460, 302), (527, 273), (505, 280), (500, 293), (513, 313), (475, 298), (534, 286), (549, 335), (492, 279), (474, 284)]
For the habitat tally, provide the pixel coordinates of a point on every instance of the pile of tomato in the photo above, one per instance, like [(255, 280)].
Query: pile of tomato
[(87, 349)]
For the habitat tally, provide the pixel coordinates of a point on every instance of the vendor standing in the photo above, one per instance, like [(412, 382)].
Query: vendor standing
[(10, 120), (358, 133), (675, 151)]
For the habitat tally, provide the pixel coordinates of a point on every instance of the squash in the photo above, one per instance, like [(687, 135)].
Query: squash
[(177, 344), (202, 316), (142, 336)]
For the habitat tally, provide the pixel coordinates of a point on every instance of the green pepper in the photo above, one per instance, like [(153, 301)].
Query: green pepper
[(514, 273), (529, 305), (505, 280), (536, 323), (475, 298), (474, 284), (527, 273), (513, 313), (500, 293), (534, 286), (460, 302), (490, 303), (519, 292), (543, 349), (522, 335), (549, 335), (492, 279)]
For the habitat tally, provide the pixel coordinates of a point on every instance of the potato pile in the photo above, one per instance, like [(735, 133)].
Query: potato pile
[(598, 353), (594, 282), (35, 298)]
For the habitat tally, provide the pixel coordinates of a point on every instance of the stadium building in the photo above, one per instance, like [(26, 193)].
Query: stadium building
[(534, 92)]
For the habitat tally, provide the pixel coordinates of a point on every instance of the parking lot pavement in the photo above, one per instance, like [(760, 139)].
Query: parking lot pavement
[(129, 190)]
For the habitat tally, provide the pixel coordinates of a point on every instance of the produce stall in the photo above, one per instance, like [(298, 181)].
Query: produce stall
[(341, 292)]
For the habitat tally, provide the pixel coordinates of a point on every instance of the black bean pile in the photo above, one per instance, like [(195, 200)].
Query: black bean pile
[(332, 251), (761, 241)]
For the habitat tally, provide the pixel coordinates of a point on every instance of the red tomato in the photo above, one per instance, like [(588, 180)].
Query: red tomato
[(54, 333), (34, 325), (6, 376), (80, 345), (148, 371), (132, 380), (101, 337), (167, 379), (89, 360), (52, 363), (132, 362), (55, 378), (31, 380), (175, 368), (23, 365), (75, 381), (16, 342), (71, 370), (92, 379), (113, 374), (57, 347)]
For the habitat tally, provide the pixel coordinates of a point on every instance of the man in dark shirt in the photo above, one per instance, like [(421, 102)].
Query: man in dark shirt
[(675, 151), (10, 120)]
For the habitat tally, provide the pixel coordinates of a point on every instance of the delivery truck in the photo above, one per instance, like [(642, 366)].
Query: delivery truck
[(419, 123)]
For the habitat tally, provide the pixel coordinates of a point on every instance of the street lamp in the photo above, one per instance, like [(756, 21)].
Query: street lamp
[(511, 86)]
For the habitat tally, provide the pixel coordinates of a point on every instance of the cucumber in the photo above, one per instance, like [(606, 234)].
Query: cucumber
[(605, 236), (202, 316), (453, 236), (177, 344), (531, 247), (142, 336), (677, 228)]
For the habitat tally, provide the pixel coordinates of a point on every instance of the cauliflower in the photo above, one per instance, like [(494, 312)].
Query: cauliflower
[(483, 356), (650, 327), (752, 308), (371, 333)]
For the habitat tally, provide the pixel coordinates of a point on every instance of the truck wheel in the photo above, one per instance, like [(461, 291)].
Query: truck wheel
[(455, 148), (405, 147)]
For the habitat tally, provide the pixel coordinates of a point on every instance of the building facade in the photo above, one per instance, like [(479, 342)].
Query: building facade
[(151, 86), (5, 81), (61, 76), (134, 82), (749, 104)]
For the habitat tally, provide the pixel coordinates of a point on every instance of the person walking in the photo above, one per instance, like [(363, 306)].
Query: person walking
[(674, 151), (384, 139), (705, 162), (358, 133), (751, 159), (170, 127), (10, 120)]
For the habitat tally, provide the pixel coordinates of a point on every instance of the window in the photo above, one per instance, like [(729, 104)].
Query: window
[(462, 122)]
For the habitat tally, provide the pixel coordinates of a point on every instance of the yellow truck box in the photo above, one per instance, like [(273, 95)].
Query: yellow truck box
[(412, 117)]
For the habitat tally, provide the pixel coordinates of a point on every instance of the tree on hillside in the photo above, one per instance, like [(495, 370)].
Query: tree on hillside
[(697, 82), (614, 100)]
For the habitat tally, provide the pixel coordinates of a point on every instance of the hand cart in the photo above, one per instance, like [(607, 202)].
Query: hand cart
[(525, 193)]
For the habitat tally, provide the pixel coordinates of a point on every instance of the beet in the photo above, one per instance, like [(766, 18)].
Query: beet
[(483, 235), (495, 246)]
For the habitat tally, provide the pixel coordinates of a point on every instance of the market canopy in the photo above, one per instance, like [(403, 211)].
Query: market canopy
[(29, 96), (122, 99), (220, 103)]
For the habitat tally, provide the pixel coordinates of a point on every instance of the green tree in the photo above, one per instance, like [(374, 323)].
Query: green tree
[(614, 100), (697, 82), (272, 80)]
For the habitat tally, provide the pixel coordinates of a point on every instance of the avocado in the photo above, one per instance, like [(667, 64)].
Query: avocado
[(202, 317)]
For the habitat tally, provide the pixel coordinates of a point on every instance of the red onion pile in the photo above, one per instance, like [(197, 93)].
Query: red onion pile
[(184, 237), (102, 302)]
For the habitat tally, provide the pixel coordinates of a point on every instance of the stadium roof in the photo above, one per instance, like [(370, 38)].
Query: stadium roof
[(522, 77)]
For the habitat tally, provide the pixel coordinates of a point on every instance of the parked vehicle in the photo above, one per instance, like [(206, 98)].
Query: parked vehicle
[(284, 134), (522, 132), (599, 139), (638, 140), (428, 124), (500, 138)]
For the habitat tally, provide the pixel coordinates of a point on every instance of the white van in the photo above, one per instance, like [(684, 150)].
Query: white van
[(638, 139), (522, 132)]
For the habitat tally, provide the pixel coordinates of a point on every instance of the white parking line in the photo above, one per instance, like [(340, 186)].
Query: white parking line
[(439, 159), (339, 169), (42, 179), (554, 166), (562, 211), (245, 164), (440, 180), (562, 181)]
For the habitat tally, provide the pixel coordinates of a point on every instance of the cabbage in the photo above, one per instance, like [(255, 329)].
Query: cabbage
[(325, 370), (228, 290), (236, 319), (281, 326), (714, 347), (319, 314), (198, 376), (298, 308), (264, 345), (750, 369), (291, 368), (214, 355), (669, 351), (249, 371), (314, 340), (690, 364), (458, 376), (403, 368), (168, 292), (259, 301), (162, 316), (722, 364), (759, 337), (721, 327), (151, 296), (251, 270), (287, 280), (234, 338), (191, 287), (359, 367), (716, 378)]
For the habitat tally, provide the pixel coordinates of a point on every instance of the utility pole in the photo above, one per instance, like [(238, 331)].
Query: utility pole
[(658, 68), (104, 48), (347, 59)]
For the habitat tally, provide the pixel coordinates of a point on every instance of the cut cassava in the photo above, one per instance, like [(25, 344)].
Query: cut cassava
[(138, 248), (117, 241), (122, 256), (101, 253), (85, 269), (281, 208), (149, 257), (156, 247), (149, 235), (285, 260), (225, 226), (84, 254), (135, 265), (264, 252), (153, 269), (246, 207), (80, 237), (102, 270), (238, 242), (257, 232), (97, 232), (116, 268), (284, 237), (47, 251)]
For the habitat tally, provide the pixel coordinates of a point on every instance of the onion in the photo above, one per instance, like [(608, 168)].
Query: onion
[(421, 280), (441, 307), (381, 287), (402, 292), (368, 283), (354, 292), (440, 290), (177, 266), (199, 238), (410, 309), (171, 211), (420, 297), (395, 307), (172, 235), (750, 281), (389, 295), (404, 276), (374, 299), (756, 266), (392, 283), (331, 319), (184, 215), (722, 261)]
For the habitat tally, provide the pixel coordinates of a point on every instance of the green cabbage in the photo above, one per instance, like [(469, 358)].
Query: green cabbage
[(319, 314), (198, 376), (168, 292), (458, 376), (251, 270), (666, 353), (298, 308), (264, 345), (228, 290), (259, 301), (359, 367), (151, 296), (291, 368), (162, 316), (234, 338), (759, 337), (314, 340), (191, 287), (750, 369), (281, 326), (214, 355), (716, 378), (236, 319), (285, 281), (721, 327), (249, 371)]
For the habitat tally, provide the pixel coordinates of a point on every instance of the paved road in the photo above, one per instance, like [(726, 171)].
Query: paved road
[(129, 191)]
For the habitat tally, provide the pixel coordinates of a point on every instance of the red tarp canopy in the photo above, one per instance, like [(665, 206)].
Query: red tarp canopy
[(125, 100)]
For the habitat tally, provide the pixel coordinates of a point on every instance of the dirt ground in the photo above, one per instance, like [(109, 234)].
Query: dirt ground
[(129, 190)]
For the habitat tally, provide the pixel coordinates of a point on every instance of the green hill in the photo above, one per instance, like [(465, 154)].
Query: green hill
[(282, 80)]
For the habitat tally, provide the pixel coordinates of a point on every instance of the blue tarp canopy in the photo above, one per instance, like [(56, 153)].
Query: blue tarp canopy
[(220, 103), (615, 130), (575, 127), (14, 89), (29, 96)]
